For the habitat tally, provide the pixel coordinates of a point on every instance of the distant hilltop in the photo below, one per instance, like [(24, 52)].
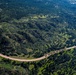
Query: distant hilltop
[(72, 1)]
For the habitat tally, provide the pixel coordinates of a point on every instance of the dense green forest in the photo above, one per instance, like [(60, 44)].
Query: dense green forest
[(32, 28), (59, 64)]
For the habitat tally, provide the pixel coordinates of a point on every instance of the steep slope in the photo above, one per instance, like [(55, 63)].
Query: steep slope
[(31, 27)]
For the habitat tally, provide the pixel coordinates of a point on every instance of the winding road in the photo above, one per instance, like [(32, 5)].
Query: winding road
[(37, 59)]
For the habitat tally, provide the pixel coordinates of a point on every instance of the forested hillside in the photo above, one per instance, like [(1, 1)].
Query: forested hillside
[(32, 28)]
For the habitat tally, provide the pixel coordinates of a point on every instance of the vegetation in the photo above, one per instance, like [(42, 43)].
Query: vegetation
[(58, 64), (31, 28)]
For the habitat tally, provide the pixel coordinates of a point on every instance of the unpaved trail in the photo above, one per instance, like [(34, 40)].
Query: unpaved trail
[(37, 59)]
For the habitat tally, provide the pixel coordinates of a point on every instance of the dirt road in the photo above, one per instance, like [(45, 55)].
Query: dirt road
[(37, 59)]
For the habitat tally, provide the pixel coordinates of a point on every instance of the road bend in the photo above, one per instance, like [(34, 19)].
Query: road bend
[(37, 59)]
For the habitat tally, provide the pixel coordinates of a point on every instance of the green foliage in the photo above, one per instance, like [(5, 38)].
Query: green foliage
[(63, 64), (40, 32), (32, 28)]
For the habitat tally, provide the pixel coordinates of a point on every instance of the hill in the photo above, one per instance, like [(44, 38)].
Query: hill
[(32, 28), (36, 27)]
